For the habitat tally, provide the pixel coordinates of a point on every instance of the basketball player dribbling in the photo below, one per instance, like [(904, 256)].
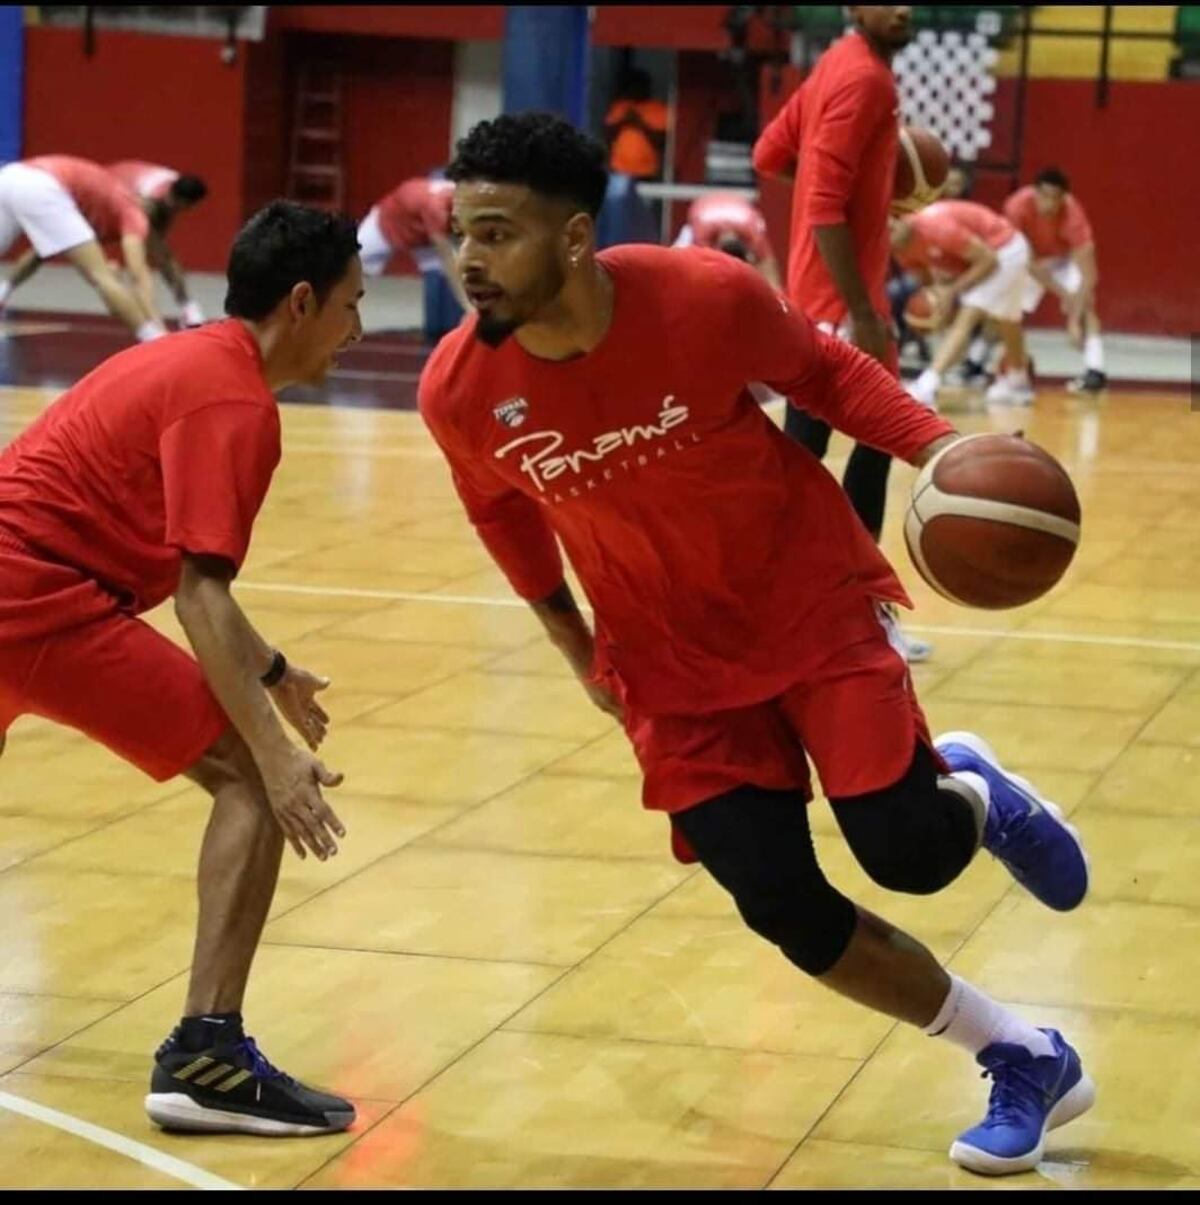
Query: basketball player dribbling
[(602, 401)]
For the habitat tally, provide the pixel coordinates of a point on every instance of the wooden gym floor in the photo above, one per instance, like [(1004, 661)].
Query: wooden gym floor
[(505, 968)]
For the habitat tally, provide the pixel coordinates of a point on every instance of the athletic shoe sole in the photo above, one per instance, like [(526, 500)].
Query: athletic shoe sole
[(178, 1111), (1076, 1102)]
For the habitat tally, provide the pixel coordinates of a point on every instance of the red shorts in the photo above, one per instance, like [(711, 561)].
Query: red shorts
[(853, 713), (112, 677)]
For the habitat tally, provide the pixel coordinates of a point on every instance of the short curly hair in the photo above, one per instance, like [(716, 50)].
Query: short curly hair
[(543, 151)]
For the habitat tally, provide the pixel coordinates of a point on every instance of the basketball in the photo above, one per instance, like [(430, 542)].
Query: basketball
[(921, 313), (922, 166), (993, 523)]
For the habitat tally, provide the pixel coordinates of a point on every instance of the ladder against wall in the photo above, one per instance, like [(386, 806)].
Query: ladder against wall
[(316, 173)]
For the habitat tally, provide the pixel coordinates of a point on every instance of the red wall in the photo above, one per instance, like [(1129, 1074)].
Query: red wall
[(165, 99), (681, 26), (264, 147), (172, 100), (397, 95), (675, 27), (479, 22), (1134, 168)]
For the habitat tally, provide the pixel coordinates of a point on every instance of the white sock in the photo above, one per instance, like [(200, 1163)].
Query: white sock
[(975, 1021), (150, 330), (5, 290), (977, 353), (1093, 353), (1018, 377)]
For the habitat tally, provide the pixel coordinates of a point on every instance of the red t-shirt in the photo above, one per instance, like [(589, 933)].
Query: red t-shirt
[(1049, 236), (717, 214), (841, 133), (149, 180), (704, 537), (412, 214), (105, 203), (165, 448), (942, 234)]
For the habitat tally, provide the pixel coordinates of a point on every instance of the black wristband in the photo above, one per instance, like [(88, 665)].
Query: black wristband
[(278, 668)]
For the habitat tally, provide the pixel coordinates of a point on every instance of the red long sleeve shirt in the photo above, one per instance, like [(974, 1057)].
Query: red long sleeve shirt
[(705, 539), (840, 134)]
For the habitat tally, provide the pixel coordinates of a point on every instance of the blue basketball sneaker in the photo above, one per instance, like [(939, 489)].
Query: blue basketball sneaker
[(1026, 832), (1029, 1096)]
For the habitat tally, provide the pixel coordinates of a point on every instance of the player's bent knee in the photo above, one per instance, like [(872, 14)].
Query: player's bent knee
[(227, 762), (812, 929), (909, 873), (915, 847)]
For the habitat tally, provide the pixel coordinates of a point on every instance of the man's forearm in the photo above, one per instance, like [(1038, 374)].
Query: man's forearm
[(979, 270), (836, 246), (233, 657), (1042, 275), (143, 290), (173, 276), (567, 628)]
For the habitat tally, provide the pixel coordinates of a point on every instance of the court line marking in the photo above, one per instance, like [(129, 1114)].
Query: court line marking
[(156, 1160), (470, 600)]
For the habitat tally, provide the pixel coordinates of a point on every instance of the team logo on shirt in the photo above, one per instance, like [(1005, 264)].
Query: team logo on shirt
[(543, 460), (513, 412)]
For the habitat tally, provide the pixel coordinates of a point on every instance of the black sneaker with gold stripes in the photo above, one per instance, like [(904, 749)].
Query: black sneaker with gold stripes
[(231, 1088)]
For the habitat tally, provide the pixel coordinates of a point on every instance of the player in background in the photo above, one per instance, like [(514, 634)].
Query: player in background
[(413, 217), (838, 137), (141, 483), (728, 222), (602, 401), (1063, 261), (165, 194), (978, 261), (70, 206)]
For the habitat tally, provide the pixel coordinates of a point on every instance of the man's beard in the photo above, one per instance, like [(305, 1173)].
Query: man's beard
[(493, 331)]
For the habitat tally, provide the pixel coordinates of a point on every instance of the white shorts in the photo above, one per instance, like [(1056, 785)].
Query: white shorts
[(1065, 273), (375, 251), (999, 295), (33, 201)]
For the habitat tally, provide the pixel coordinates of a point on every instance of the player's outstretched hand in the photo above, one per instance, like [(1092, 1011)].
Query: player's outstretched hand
[(294, 791), (294, 696)]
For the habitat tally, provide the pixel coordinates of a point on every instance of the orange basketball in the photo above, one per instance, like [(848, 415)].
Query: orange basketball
[(921, 313), (922, 166), (994, 522)]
